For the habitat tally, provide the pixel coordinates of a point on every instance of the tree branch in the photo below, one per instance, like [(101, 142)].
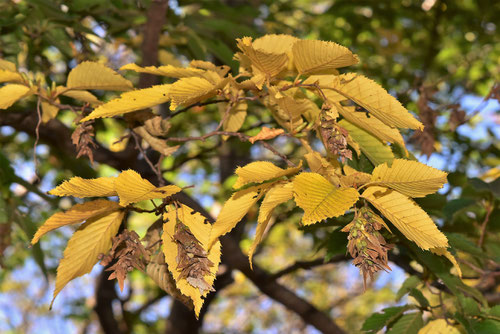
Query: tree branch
[(156, 17), (309, 264), (58, 135)]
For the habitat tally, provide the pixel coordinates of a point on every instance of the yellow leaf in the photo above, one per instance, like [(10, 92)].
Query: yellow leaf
[(167, 70), (265, 134), (78, 187), (187, 91), (234, 209), (325, 81), (371, 124), (91, 239), (376, 151), (132, 188), (438, 326), (278, 194), (441, 251), (156, 143), (76, 214), (7, 65), (411, 178), (288, 109), (371, 96), (202, 64), (132, 101), (168, 58), (268, 63), (275, 43), (260, 171), (9, 94), (355, 179), (236, 116), (9, 76), (312, 56), (90, 75), (407, 216), (49, 112), (157, 269), (491, 175), (81, 95), (320, 199), (318, 164), (201, 231)]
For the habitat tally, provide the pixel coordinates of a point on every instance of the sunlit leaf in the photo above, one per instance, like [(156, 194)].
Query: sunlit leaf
[(235, 118), (81, 95), (234, 209), (407, 216), (371, 124), (132, 101), (10, 76), (438, 326), (268, 63), (376, 151), (411, 178), (260, 171), (11, 93), (91, 75), (49, 111), (166, 70), (76, 214), (78, 187), (320, 199), (371, 96), (187, 91), (132, 188), (7, 65), (200, 228), (278, 194), (312, 56), (81, 253)]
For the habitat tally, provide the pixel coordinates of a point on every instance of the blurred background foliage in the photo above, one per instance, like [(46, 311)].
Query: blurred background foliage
[(440, 58)]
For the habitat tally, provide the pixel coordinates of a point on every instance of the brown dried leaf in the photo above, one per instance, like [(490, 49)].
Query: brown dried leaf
[(128, 252), (265, 134), (192, 259), (82, 139), (425, 138)]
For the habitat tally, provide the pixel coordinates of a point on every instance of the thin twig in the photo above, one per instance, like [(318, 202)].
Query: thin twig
[(472, 266), (241, 136), (139, 147), (197, 104), (489, 209), (308, 265), (37, 135)]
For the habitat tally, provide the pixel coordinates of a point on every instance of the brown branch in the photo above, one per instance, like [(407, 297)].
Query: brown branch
[(57, 135), (489, 210), (156, 17), (309, 265), (241, 136), (267, 285), (197, 104)]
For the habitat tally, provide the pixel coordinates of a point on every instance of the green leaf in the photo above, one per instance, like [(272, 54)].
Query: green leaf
[(376, 151), (407, 324), (377, 321), (460, 242), (467, 306), (410, 283), (419, 297), (487, 326)]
